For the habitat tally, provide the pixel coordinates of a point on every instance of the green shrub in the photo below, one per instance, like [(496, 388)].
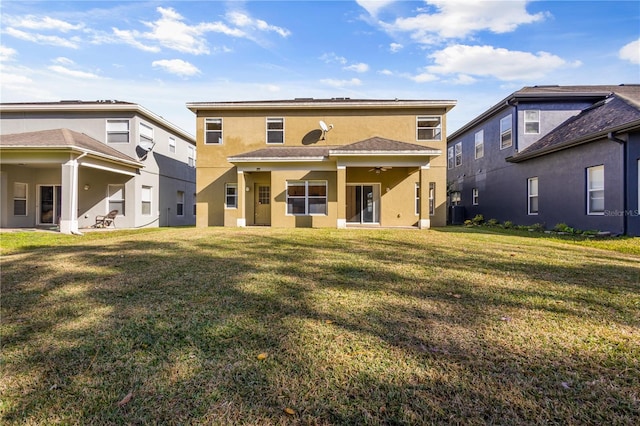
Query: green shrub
[(493, 222), (537, 227), (478, 219), (507, 224), (468, 222)]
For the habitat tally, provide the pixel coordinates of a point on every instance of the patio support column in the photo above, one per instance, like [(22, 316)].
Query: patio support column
[(341, 196), (425, 221), (242, 195), (69, 198)]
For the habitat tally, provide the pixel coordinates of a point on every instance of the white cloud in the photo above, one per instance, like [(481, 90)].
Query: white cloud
[(130, 37), (395, 47), (43, 23), (73, 73), (424, 78), (373, 6), (177, 66), (488, 61), (64, 61), (457, 19), (386, 72), (341, 83), (631, 52), (42, 39), (464, 79), (245, 21), (7, 53), (332, 57), (361, 67)]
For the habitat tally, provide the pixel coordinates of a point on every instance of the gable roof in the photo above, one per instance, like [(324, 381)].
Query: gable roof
[(375, 146), (592, 93), (609, 116), (64, 139)]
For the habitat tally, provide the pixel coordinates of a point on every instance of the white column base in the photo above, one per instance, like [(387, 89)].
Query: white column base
[(424, 224), (342, 223), (241, 222)]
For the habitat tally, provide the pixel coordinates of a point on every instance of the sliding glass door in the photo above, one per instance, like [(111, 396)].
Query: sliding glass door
[(363, 203)]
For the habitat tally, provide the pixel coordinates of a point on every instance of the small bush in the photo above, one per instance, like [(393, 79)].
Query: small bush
[(507, 224), (468, 222), (493, 222), (537, 227), (478, 219)]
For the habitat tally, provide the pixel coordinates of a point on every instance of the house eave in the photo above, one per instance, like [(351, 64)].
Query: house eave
[(274, 159), (342, 153), (80, 151)]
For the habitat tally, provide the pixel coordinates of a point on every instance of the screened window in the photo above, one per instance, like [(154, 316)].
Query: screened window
[(146, 200), (532, 196), (532, 121), (479, 144), (595, 190), (275, 130), (180, 203), (117, 131), (172, 144), (307, 197), (458, 152), (432, 198), (450, 158), (429, 128), (231, 198), (116, 198), (213, 131), (505, 132), (19, 199)]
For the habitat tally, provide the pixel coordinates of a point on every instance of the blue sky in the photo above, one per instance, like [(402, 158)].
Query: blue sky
[(165, 54)]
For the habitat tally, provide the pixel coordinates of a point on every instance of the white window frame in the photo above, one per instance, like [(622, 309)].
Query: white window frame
[(450, 158), (435, 131), (231, 196), (417, 197), (458, 153), (207, 131), (479, 144), (180, 203), (191, 156), (474, 196), (146, 199), (145, 133), (270, 131), (591, 190), (533, 195), (110, 199), (506, 128), (25, 198), (531, 116), (306, 184), (111, 131), (432, 198), (172, 144)]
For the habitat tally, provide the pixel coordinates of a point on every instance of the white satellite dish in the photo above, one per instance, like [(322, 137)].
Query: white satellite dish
[(325, 128)]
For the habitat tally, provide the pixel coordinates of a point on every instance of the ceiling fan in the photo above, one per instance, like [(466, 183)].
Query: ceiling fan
[(378, 170)]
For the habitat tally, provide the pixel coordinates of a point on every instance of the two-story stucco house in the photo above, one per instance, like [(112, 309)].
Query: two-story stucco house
[(551, 155), (321, 162), (65, 163)]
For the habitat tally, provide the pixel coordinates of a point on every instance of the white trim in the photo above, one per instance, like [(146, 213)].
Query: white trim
[(590, 190), (359, 153), (424, 224), (266, 122), (530, 195), (109, 169)]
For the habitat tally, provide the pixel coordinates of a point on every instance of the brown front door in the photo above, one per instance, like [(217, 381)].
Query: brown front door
[(262, 210)]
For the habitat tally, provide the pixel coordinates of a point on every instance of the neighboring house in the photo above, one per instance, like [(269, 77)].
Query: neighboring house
[(64, 163), (321, 162), (551, 155)]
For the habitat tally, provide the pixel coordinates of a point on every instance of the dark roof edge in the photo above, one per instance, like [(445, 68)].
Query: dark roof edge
[(517, 158)]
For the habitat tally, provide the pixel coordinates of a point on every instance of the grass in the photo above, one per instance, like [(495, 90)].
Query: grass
[(358, 326)]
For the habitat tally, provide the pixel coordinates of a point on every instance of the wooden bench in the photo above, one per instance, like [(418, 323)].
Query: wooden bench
[(104, 221)]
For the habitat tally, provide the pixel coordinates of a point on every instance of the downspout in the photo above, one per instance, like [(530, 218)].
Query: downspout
[(612, 137)]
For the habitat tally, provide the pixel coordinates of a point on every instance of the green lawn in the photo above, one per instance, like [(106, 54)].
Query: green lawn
[(377, 327)]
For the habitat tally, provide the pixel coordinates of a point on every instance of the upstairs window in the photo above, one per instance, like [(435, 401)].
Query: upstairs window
[(19, 199), (479, 144), (146, 135), (117, 131), (429, 128), (172, 144), (213, 131), (532, 122), (595, 190), (458, 152), (275, 130), (191, 156), (450, 158), (505, 132)]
